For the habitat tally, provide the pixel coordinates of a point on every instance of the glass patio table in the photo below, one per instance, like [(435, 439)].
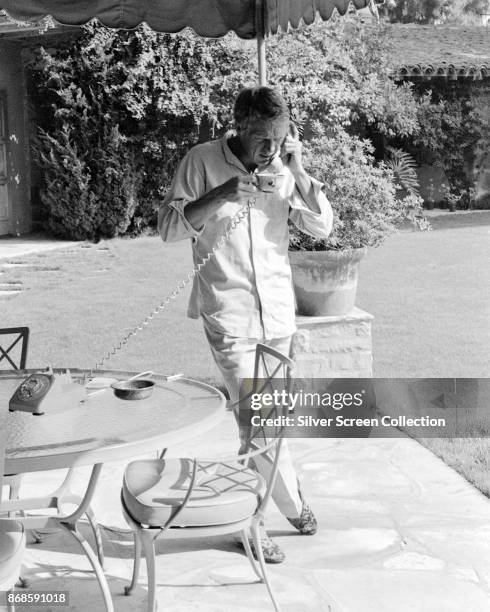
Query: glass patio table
[(101, 428)]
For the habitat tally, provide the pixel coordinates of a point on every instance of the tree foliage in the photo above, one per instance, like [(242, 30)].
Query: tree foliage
[(436, 11), (454, 133), (117, 110), (337, 73)]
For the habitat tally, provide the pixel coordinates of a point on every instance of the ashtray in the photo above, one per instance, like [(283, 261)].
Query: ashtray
[(133, 389)]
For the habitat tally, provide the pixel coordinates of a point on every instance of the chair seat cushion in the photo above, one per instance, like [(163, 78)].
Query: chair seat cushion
[(12, 544), (223, 493)]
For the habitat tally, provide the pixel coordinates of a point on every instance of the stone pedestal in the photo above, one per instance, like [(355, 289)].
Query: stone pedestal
[(334, 347)]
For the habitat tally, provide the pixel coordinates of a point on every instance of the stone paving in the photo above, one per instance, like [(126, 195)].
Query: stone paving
[(11, 247), (399, 531)]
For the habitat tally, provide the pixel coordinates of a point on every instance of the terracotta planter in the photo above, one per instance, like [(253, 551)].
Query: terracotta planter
[(325, 282)]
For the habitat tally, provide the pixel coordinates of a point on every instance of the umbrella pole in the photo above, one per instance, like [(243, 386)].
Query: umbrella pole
[(261, 60), (260, 27)]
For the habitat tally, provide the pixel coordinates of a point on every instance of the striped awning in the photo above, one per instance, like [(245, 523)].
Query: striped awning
[(210, 18)]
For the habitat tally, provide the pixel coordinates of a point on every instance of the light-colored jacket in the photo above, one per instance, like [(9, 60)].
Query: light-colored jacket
[(245, 290)]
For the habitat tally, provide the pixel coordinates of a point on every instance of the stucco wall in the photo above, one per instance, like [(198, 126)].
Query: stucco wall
[(433, 181), (11, 85)]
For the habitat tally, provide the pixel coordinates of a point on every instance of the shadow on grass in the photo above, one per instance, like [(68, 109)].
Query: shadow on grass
[(455, 220)]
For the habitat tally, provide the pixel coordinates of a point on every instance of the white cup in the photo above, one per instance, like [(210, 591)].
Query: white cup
[(269, 183)]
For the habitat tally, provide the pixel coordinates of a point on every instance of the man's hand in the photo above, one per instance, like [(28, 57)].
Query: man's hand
[(237, 189), (291, 150)]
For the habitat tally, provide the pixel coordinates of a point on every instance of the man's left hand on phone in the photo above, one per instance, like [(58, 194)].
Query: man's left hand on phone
[(291, 149)]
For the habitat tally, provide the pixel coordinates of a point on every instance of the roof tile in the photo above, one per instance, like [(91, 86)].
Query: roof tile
[(439, 51)]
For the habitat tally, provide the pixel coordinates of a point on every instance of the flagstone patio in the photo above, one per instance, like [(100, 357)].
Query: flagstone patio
[(398, 530)]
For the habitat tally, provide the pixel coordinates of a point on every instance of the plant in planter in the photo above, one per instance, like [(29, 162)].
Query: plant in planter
[(366, 210)]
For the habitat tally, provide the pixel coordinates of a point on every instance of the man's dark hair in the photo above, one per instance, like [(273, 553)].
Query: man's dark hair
[(259, 103)]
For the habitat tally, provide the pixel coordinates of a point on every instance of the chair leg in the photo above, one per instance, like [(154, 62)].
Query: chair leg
[(136, 564), (250, 556), (255, 529), (14, 490), (94, 562), (22, 583), (97, 535), (148, 542), (38, 538)]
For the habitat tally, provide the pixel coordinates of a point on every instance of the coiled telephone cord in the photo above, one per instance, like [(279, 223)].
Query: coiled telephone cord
[(241, 214)]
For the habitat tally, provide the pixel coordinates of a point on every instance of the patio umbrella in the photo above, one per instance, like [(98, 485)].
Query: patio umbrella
[(209, 18)]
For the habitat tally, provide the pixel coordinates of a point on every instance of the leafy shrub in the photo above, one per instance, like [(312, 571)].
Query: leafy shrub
[(116, 112), (337, 73), (78, 206), (362, 194), (403, 167)]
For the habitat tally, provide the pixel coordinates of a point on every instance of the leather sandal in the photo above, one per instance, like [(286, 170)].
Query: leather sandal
[(306, 523), (270, 549)]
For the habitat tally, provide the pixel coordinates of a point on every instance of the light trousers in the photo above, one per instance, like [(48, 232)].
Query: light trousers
[(235, 358)]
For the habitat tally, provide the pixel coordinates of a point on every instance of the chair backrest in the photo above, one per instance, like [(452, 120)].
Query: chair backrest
[(272, 375), (14, 342), (272, 371)]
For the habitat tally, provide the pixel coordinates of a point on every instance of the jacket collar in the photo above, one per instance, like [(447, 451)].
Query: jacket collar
[(230, 157)]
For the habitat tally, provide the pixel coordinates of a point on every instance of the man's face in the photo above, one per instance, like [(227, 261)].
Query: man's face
[(262, 139)]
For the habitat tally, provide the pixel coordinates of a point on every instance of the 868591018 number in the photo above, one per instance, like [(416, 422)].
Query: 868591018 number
[(38, 598)]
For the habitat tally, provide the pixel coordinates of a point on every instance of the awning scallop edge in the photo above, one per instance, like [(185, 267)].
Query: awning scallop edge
[(209, 18)]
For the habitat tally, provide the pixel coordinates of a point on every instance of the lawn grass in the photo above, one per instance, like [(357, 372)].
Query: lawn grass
[(429, 293), (470, 457), (462, 403), (80, 302)]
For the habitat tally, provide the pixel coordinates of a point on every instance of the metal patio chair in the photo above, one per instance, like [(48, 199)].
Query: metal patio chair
[(12, 543), (9, 346), (187, 498)]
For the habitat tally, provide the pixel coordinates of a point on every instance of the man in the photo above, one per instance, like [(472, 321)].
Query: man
[(244, 294)]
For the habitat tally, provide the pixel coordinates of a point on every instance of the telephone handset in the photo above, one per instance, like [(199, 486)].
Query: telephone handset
[(270, 176), (293, 133), (46, 390)]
